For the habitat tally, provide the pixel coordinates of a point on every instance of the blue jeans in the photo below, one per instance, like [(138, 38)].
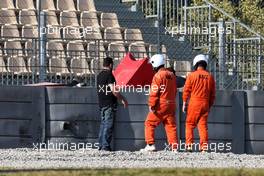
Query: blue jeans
[(106, 127)]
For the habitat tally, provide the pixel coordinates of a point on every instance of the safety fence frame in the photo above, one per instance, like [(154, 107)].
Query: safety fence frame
[(224, 47)]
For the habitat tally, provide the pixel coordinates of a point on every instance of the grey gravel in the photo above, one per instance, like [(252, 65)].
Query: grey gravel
[(33, 159)]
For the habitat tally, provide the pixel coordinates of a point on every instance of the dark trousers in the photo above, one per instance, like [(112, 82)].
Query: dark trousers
[(106, 127)]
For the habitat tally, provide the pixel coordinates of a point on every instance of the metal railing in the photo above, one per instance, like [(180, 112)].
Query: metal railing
[(236, 51)]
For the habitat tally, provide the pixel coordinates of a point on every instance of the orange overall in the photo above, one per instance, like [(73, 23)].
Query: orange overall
[(162, 101), (200, 88)]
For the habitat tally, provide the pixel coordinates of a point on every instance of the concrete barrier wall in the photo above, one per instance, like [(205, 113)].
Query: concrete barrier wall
[(22, 116), (254, 122), (71, 115)]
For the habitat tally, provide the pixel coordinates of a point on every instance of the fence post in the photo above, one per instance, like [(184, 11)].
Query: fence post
[(259, 71), (222, 54), (42, 46), (185, 16), (159, 18), (238, 122)]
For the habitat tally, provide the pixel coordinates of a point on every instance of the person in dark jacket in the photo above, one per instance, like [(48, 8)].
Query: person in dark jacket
[(108, 96)]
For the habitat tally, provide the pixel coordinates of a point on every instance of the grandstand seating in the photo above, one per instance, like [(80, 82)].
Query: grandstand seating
[(138, 49), (47, 5), (68, 19), (96, 50), (65, 5), (30, 50), (13, 48), (29, 32), (2, 63), (79, 37), (7, 4), (55, 49), (10, 31), (89, 19), (181, 67), (25, 4), (113, 34), (16, 65), (33, 65), (75, 50), (116, 50), (133, 35), (86, 5), (58, 67), (28, 17), (109, 20), (79, 67), (7, 17), (52, 19)]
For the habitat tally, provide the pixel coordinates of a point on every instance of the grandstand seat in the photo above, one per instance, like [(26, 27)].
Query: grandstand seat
[(16, 65), (89, 19), (25, 4), (66, 5), (116, 50), (72, 33), (28, 17), (7, 4), (109, 20), (80, 67), (138, 50), (86, 5), (96, 65), (93, 34), (182, 67), (7, 17), (96, 50), (68, 19), (13, 49), (75, 50), (55, 49), (47, 5), (52, 19), (30, 50), (58, 66), (133, 35), (10, 31), (113, 35), (153, 49), (2, 63), (33, 65), (53, 32), (29, 32)]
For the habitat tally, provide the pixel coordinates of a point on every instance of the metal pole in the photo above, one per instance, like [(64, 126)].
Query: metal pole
[(222, 59), (159, 16), (42, 47), (209, 26), (259, 65), (185, 16)]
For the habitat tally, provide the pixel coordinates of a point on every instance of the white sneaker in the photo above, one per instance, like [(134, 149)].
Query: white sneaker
[(149, 148), (189, 149)]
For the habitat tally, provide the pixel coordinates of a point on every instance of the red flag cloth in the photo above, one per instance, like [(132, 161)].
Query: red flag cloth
[(133, 72)]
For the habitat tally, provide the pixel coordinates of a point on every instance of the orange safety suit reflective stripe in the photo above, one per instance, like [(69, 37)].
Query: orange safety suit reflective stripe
[(162, 100), (200, 88)]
